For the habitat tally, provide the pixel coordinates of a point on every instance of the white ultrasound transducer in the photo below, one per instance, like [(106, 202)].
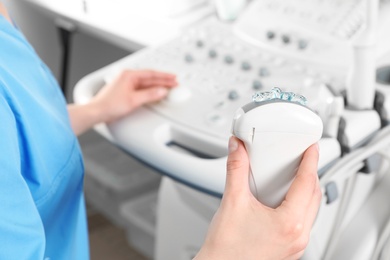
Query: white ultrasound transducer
[(276, 129)]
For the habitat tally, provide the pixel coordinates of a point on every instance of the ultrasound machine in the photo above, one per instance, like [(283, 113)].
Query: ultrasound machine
[(336, 53)]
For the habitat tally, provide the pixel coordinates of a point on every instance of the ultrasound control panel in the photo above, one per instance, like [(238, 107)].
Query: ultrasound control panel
[(218, 72)]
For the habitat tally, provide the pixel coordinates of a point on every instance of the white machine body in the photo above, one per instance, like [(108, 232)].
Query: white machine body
[(275, 134), (300, 46)]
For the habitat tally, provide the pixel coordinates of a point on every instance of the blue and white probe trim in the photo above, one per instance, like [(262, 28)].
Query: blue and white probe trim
[(277, 93)]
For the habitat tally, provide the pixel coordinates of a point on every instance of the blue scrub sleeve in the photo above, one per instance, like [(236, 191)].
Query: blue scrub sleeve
[(22, 234)]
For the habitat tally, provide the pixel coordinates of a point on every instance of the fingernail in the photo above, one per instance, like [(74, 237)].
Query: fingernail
[(233, 144), (174, 83), (161, 92)]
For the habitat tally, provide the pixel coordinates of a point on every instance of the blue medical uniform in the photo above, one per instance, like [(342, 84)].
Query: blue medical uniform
[(42, 210)]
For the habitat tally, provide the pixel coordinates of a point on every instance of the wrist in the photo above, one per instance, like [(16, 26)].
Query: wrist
[(202, 255), (96, 112), (207, 252), (83, 117)]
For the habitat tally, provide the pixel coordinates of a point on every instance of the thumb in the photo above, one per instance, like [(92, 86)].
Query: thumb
[(237, 177), (148, 95)]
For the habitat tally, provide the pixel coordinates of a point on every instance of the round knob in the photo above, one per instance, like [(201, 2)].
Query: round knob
[(264, 72), (270, 35), (233, 95), (229, 59), (212, 53), (188, 58), (199, 43), (246, 66), (302, 44), (286, 39), (257, 85)]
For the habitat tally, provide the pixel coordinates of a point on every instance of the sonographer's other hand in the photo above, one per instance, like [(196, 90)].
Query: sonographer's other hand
[(132, 89), (243, 228)]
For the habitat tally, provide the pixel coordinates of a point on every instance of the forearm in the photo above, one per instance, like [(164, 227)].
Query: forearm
[(84, 117)]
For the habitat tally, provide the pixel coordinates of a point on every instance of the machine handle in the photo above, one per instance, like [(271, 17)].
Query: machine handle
[(144, 128)]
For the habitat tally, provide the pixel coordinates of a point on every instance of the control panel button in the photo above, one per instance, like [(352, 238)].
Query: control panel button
[(233, 95), (257, 85), (270, 35), (264, 72), (220, 105), (302, 44), (199, 43), (229, 59), (212, 53), (246, 65), (189, 58), (215, 119), (286, 39)]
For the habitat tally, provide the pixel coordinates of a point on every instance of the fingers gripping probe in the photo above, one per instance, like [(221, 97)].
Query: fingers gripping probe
[(276, 129)]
